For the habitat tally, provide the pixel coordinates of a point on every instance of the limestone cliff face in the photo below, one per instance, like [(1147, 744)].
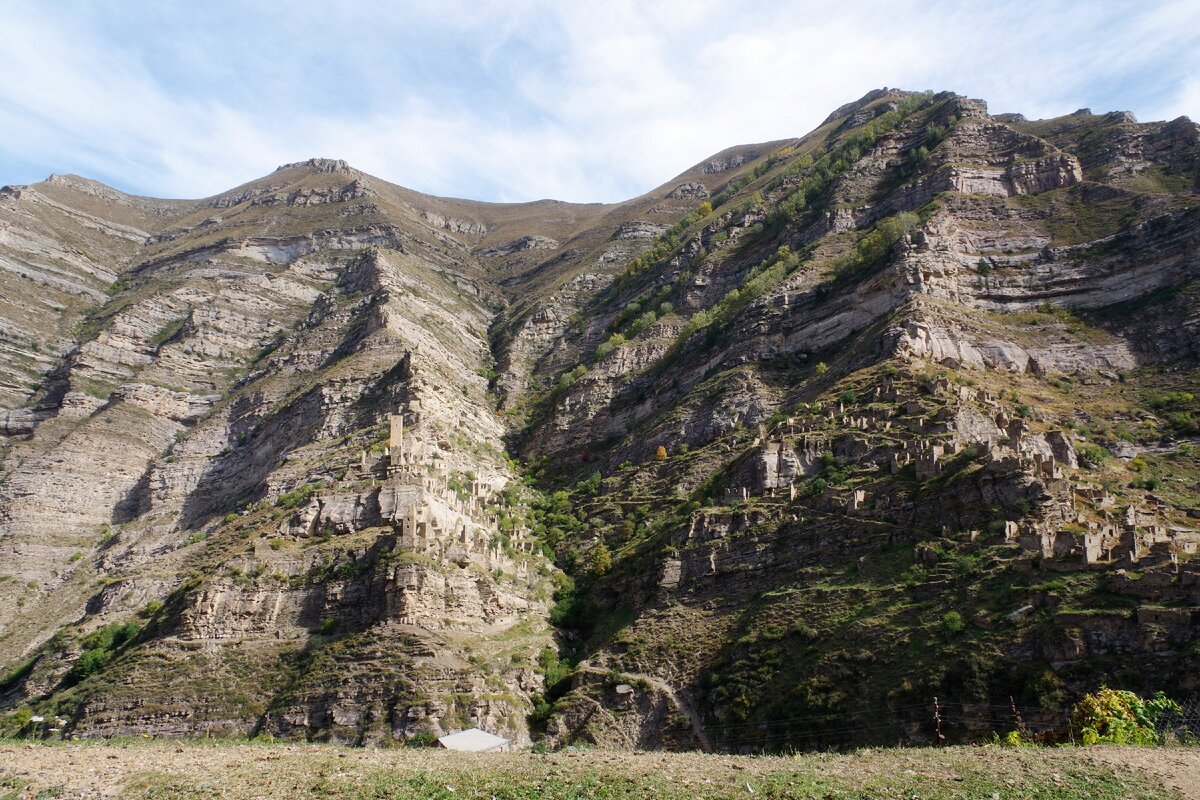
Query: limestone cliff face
[(923, 359), (809, 418), (288, 439)]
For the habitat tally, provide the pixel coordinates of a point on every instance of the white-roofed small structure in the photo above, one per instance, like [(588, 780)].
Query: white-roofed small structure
[(473, 740)]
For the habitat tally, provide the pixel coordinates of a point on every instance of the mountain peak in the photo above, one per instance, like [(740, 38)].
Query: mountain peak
[(824, 427), (318, 165), (846, 110)]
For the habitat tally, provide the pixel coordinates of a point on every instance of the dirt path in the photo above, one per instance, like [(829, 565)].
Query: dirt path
[(1176, 768)]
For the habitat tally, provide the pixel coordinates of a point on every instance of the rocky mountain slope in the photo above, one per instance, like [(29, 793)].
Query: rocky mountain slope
[(770, 456)]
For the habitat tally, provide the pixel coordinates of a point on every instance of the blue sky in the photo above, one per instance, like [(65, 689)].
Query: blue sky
[(525, 99)]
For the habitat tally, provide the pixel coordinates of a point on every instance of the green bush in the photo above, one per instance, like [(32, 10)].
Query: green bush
[(1171, 400), (111, 636), (1093, 454), (567, 379), (567, 611), (91, 662), (600, 559), (19, 719), (553, 668), (590, 486), (762, 279), (297, 497), (872, 248), (422, 739), (1150, 483), (1115, 716), (952, 622), (150, 609), (1013, 739)]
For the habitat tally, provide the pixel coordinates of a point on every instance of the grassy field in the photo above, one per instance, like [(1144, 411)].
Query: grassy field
[(157, 769)]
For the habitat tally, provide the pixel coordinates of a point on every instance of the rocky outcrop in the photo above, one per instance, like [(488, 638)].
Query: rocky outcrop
[(922, 361), (689, 191), (524, 243)]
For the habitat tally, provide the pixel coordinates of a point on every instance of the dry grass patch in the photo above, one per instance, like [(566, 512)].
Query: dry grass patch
[(294, 772)]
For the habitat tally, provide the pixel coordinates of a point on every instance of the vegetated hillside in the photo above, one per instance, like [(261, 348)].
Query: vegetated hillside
[(771, 456)]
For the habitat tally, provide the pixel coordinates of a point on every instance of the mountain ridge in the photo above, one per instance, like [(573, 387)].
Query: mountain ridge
[(323, 457)]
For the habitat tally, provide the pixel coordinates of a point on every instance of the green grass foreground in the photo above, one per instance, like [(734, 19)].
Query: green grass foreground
[(158, 769)]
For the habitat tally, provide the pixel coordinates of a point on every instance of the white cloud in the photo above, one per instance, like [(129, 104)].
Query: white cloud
[(536, 98), (1185, 102)]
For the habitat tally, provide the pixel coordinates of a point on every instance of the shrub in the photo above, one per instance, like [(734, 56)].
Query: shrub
[(553, 668), (98, 647), (1115, 716), (1014, 739), (1151, 483), (761, 280), (1048, 690), (640, 324), (297, 497), (952, 622), (566, 610), (150, 609), (422, 739), (111, 636), (19, 719), (568, 378), (90, 662), (1171, 400), (1092, 455), (590, 486), (876, 245), (600, 559)]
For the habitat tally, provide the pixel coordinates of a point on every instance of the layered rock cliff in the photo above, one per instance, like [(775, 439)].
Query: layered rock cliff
[(820, 427)]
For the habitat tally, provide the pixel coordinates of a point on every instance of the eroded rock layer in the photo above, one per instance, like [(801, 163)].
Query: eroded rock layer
[(816, 431)]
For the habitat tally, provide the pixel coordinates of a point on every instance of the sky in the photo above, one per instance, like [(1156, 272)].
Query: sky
[(513, 100)]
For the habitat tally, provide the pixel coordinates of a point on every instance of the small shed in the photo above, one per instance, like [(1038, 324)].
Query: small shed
[(473, 740)]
